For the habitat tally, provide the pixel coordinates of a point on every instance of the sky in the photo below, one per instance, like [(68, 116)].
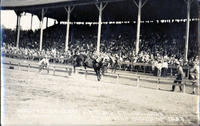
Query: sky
[(9, 20)]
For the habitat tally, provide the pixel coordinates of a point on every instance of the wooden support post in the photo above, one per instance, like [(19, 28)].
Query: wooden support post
[(139, 5), (31, 22), (68, 10), (198, 34), (138, 26), (18, 29), (99, 29), (100, 7), (47, 22), (187, 30), (41, 29)]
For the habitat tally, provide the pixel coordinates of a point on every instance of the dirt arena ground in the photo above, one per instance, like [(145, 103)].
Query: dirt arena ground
[(41, 99)]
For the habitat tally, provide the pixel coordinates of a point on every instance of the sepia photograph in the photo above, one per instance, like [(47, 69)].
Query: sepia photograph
[(100, 62)]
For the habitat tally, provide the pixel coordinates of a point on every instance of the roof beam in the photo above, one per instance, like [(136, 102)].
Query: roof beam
[(52, 4)]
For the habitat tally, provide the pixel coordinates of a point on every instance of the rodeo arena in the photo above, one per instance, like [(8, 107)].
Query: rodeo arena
[(102, 62)]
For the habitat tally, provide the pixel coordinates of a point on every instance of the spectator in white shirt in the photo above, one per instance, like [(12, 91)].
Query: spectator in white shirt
[(164, 68)]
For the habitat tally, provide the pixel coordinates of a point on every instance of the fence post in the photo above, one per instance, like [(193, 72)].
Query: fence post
[(158, 82), (131, 65), (70, 71), (54, 60), (76, 71), (117, 78), (138, 81), (86, 74), (18, 66), (188, 73), (54, 69), (10, 67), (184, 86), (67, 71), (144, 69), (28, 67), (171, 72)]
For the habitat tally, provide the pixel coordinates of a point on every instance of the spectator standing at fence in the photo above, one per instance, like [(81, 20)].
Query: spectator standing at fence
[(194, 71), (179, 77), (53, 50), (164, 68), (159, 68), (26, 53), (154, 67)]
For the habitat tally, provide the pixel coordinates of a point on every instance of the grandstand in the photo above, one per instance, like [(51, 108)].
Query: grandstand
[(162, 33), (130, 11), (149, 46), (115, 38)]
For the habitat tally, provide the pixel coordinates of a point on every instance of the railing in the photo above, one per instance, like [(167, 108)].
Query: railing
[(135, 77)]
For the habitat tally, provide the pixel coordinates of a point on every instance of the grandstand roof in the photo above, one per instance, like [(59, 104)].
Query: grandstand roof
[(116, 10)]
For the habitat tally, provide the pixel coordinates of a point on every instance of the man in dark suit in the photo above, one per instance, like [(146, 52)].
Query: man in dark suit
[(179, 77)]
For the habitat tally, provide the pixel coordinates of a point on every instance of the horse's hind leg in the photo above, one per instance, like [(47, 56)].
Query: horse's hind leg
[(47, 70), (74, 69), (103, 70), (115, 69), (85, 72), (98, 78), (98, 75)]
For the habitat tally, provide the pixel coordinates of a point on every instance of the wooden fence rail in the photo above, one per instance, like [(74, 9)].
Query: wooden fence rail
[(136, 77), (137, 67)]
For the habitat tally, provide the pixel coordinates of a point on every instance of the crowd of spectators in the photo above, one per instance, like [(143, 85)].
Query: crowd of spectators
[(116, 41)]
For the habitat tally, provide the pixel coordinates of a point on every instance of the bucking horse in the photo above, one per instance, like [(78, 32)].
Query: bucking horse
[(88, 62)]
